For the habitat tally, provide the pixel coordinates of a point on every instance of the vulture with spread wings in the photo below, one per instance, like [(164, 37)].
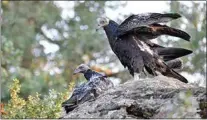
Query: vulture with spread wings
[(130, 41)]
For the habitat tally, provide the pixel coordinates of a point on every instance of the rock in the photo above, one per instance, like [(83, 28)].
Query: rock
[(158, 97)]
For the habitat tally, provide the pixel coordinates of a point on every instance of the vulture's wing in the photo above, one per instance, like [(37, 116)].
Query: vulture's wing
[(167, 71), (78, 90), (153, 62), (171, 53), (154, 30), (100, 84), (147, 19), (77, 95), (168, 53), (128, 50)]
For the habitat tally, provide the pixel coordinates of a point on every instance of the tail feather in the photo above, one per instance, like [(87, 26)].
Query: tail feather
[(69, 105), (170, 53), (69, 108), (172, 73)]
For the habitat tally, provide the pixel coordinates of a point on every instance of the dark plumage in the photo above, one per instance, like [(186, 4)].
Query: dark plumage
[(146, 26), (95, 85), (175, 64), (134, 49), (168, 53)]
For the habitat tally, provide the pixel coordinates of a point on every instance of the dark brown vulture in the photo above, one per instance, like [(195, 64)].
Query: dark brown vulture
[(95, 85), (130, 41)]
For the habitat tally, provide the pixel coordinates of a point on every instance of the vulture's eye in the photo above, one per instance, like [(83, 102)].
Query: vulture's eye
[(102, 22)]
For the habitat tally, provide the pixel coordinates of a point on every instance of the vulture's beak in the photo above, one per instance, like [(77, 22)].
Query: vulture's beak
[(76, 71), (98, 27)]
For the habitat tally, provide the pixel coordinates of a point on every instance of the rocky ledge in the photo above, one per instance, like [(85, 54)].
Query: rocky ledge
[(158, 97)]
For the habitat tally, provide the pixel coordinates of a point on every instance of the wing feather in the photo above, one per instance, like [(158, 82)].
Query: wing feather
[(146, 19)]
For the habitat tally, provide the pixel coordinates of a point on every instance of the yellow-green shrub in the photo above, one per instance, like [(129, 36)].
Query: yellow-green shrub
[(33, 107)]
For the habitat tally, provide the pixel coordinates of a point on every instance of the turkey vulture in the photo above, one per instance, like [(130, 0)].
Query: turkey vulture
[(130, 41), (95, 85)]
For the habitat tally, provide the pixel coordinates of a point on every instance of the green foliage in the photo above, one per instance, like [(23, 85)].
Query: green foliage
[(20, 26), (26, 24), (33, 107)]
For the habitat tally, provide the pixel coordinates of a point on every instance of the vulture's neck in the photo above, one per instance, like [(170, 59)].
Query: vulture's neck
[(90, 74), (110, 31)]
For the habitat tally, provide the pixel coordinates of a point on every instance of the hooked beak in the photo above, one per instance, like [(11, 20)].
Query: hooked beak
[(98, 27), (76, 71)]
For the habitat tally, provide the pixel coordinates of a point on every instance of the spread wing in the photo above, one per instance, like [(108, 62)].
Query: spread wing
[(146, 19), (168, 53), (146, 26), (154, 62), (154, 30)]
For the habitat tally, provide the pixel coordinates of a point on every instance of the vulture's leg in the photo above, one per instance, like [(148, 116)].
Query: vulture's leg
[(137, 76), (93, 95), (145, 72)]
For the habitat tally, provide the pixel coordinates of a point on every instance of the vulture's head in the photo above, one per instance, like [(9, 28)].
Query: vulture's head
[(102, 21), (82, 68)]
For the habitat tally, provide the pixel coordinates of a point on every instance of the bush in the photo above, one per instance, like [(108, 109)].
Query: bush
[(34, 106)]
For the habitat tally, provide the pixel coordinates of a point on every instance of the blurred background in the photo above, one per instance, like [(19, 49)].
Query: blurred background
[(43, 42)]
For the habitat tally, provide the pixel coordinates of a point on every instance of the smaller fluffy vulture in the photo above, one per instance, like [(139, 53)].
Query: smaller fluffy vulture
[(130, 41), (95, 85)]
